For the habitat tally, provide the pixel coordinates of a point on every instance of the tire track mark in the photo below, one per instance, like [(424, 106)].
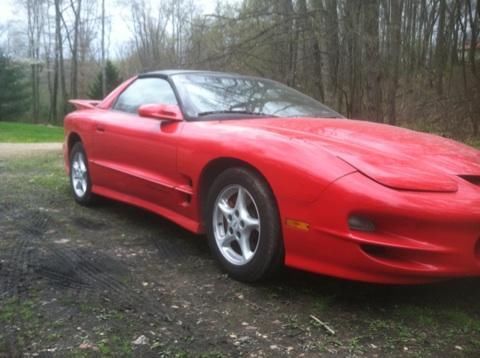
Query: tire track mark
[(178, 248), (73, 266), (36, 227), (75, 269), (33, 257), (166, 249), (17, 264), (13, 267), (86, 223)]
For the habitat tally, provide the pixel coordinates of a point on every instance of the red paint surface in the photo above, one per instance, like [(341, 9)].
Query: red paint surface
[(321, 171)]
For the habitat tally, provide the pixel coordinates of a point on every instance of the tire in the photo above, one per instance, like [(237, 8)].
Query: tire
[(80, 181), (244, 234)]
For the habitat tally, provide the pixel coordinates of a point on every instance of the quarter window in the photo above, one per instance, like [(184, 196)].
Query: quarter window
[(150, 90)]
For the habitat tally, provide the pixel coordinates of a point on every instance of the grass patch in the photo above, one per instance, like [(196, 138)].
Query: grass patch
[(115, 346), (13, 309), (12, 132), (432, 317), (46, 171), (423, 316), (322, 303), (20, 322), (45, 163), (474, 143)]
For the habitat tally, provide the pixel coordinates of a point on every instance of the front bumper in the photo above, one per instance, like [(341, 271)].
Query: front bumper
[(419, 237)]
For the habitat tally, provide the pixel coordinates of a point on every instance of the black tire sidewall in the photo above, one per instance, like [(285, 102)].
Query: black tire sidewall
[(88, 197), (269, 255)]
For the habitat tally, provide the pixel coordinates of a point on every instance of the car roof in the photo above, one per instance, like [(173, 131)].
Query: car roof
[(168, 73)]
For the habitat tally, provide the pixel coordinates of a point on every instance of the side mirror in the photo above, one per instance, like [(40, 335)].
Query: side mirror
[(167, 112)]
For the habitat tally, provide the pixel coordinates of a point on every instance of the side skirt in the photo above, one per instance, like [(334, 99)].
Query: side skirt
[(181, 220)]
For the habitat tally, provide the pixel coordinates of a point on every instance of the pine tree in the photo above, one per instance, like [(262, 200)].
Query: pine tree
[(14, 94), (113, 80)]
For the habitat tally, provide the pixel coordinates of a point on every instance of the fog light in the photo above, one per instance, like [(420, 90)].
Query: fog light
[(359, 223)]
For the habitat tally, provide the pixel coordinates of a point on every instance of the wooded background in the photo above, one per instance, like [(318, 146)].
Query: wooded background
[(407, 62)]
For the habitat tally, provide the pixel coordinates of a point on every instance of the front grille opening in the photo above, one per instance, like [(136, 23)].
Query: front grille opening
[(377, 251), (472, 179), (400, 258), (392, 255)]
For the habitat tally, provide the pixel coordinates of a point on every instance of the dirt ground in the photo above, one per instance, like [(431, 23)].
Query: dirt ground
[(113, 280)]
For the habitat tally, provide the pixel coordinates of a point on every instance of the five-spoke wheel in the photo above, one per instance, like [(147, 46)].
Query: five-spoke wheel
[(243, 226), (79, 176), (236, 223)]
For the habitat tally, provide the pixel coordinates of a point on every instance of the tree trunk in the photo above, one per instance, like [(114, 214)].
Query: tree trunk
[(394, 62), (34, 27), (61, 65), (372, 52), (354, 69), (440, 51), (290, 34), (332, 43), (104, 75), (74, 72), (310, 49), (473, 16)]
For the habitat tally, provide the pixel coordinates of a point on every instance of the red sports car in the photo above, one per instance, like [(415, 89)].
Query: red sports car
[(274, 177)]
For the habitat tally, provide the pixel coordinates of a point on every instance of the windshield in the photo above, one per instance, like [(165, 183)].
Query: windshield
[(208, 95)]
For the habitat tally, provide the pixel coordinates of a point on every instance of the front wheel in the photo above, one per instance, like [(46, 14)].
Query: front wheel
[(80, 181), (243, 225)]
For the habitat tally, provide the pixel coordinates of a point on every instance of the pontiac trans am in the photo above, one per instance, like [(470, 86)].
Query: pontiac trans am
[(273, 178)]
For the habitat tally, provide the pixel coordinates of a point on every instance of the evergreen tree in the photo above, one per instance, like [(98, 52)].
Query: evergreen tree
[(14, 93), (112, 81)]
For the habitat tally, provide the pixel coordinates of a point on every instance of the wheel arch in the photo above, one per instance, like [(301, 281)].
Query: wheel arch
[(213, 169), (73, 138)]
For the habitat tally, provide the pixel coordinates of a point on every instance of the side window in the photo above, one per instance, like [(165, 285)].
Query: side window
[(148, 90)]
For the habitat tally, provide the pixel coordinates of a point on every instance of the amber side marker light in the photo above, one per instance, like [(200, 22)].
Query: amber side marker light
[(299, 225), (359, 223)]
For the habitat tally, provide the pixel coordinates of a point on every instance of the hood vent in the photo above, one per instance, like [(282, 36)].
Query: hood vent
[(473, 179)]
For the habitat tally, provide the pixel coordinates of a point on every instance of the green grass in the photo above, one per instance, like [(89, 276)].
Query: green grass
[(474, 143), (46, 171), (13, 132), (13, 309)]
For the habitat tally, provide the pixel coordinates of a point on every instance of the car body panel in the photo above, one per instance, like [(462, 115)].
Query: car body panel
[(135, 156), (321, 171), (419, 237), (396, 157)]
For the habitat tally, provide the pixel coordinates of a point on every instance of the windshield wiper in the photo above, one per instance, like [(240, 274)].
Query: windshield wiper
[(226, 111)]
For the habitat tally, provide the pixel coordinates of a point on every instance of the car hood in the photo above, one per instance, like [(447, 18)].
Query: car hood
[(395, 157)]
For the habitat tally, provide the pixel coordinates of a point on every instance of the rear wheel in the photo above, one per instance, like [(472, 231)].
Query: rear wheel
[(243, 225), (80, 181)]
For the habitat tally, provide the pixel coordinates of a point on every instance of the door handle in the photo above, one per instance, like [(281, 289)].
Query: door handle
[(100, 129)]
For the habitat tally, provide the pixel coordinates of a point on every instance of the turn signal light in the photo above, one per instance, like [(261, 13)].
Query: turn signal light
[(299, 225)]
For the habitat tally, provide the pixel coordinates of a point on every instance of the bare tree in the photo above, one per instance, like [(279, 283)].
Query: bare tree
[(35, 26), (373, 87), (395, 8), (76, 9), (405, 62), (104, 75), (59, 76)]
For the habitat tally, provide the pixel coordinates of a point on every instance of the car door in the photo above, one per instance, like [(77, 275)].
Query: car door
[(135, 157)]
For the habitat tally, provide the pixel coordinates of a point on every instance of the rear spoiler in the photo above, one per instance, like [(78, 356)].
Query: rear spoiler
[(84, 103)]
